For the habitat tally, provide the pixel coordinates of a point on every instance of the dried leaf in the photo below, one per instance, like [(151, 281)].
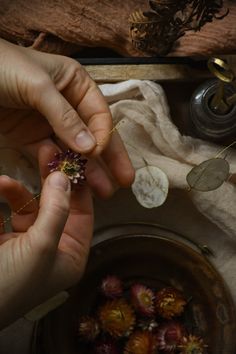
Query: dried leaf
[(209, 175), (150, 186)]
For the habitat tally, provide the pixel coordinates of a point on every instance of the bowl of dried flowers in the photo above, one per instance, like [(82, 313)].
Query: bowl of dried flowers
[(144, 292)]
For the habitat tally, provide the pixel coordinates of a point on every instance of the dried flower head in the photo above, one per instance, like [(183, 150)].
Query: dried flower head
[(71, 163), (105, 346), (88, 328), (192, 345), (156, 30), (142, 299), (117, 317), (170, 302), (141, 342), (169, 336), (147, 324), (112, 287)]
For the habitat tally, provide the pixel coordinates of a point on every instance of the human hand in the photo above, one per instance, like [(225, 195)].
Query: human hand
[(47, 250), (44, 93)]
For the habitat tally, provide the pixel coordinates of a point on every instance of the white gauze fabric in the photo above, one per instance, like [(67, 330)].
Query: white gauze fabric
[(150, 135)]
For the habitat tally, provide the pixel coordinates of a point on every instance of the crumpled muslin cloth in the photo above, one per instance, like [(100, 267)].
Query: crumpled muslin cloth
[(150, 137), (148, 133)]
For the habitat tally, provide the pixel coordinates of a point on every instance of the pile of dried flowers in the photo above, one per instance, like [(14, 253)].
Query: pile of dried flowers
[(138, 320)]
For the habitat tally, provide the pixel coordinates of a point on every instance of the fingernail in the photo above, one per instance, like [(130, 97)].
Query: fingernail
[(59, 180), (85, 140)]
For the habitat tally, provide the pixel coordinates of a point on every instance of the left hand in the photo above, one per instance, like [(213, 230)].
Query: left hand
[(48, 248)]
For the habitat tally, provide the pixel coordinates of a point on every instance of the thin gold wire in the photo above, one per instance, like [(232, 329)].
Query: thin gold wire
[(100, 143), (226, 148), (9, 218)]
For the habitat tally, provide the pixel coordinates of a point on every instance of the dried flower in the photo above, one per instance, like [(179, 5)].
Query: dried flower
[(170, 302), (105, 346), (156, 30), (88, 328), (112, 287), (169, 335), (71, 163), (117, 317), (147, 324), (192, 345), (141, 342), (142, 299)]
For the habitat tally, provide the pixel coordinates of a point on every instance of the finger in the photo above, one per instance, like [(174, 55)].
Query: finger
[(7, 236), (97, 115), (78, 230), (53, 212), (97, 175), (100, 179), (46, 154), (17, 196), (21, 202), (63, 118), (118, 161), (86, 97), (34, 148)]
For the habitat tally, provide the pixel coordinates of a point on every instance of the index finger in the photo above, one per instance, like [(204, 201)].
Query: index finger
[(87, 99), (94, 110)]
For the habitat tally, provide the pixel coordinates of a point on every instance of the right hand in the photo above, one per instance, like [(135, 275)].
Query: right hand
[(43, 93)]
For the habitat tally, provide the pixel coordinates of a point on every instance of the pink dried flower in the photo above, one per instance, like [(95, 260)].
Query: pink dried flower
[(71, 164), (169, 335), (142, 299), (106, 346), (141, 342), (88, 328), (112, 287), (192, 345), (170, 302)]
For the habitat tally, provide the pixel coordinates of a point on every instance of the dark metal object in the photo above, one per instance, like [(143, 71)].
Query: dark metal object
[(145, 253), (208, 124), (221, 103)]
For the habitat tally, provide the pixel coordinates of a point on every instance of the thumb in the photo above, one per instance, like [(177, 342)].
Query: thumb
[(53, 212), (64, 119)]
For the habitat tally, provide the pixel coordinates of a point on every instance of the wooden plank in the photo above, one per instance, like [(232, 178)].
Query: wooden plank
[(156, 72)]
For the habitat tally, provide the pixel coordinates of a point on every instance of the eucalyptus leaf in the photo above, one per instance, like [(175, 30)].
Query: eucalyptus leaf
[(209, 175), (150, 186)]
